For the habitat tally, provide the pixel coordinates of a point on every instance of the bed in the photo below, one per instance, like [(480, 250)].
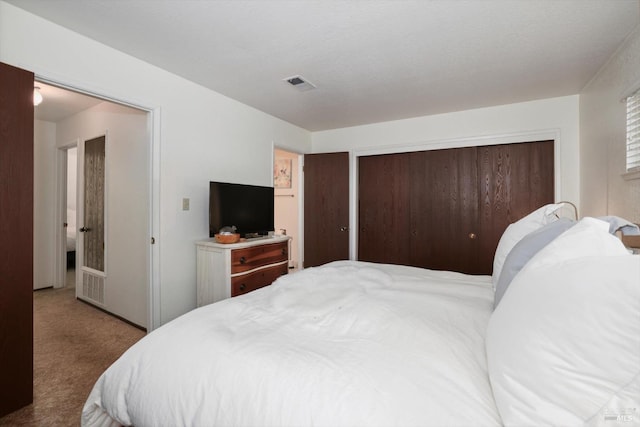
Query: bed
[(363, 344)]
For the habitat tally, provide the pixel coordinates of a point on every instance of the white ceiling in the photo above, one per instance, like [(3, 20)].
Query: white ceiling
[(58, 103), (371, 60)]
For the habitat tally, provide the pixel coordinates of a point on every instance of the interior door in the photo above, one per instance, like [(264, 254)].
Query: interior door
[(16, 238), (91, 236), (326, 208)]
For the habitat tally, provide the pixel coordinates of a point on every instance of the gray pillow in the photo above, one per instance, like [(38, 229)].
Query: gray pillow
[(525, 249)]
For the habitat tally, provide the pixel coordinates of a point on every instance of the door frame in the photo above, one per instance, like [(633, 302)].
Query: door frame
[(510, 138), (153, 177)]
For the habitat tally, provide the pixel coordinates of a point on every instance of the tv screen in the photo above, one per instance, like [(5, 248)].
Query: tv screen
[(247, 207)]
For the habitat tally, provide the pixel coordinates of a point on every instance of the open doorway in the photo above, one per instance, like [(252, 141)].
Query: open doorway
[(64, 123), (287, 203), (69, 201)]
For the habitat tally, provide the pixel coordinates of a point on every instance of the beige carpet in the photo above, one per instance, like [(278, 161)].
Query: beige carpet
[(73, 344)]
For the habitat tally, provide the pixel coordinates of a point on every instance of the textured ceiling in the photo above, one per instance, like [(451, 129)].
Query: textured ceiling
[(371, 60)]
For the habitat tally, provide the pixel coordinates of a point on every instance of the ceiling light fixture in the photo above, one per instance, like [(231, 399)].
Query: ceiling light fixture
[(37, 96)]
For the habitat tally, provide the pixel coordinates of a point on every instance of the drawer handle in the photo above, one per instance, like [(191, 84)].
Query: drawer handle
[(242, 260), (243, 287), (284, 251)]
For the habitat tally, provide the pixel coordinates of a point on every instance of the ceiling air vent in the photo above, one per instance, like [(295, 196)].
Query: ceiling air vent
[(300, 83)]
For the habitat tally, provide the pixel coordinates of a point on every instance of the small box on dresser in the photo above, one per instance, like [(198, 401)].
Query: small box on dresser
[(227, 270)]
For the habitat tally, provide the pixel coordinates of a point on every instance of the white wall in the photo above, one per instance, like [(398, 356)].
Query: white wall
[(44, 202), (203, 136), (525, 121), (603, 139), (127, 196)]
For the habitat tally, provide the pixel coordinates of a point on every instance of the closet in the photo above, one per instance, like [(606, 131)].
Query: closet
[(446, 209)]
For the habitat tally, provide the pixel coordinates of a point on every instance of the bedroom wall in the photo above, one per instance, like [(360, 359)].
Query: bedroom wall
[(203, 135), (605, 191), (44, 202), (127, 212), (504, 123)]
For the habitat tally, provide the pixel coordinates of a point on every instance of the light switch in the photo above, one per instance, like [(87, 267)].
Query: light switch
[(185, 204)]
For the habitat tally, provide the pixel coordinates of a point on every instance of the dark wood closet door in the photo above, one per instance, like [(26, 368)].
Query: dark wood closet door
[(384, 226), (326, 208), (16, 238), (514, 180), (457, 202), (444, 209)]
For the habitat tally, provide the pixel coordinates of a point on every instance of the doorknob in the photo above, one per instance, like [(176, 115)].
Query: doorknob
[(472, 236), (344, 228), (84, 229)]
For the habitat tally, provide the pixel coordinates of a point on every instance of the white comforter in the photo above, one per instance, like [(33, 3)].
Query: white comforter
[(346, 344)]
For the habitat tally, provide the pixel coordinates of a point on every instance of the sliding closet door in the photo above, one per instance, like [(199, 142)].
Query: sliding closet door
[(513, 180), (444, 202), (16, 238), (447, 209), (384, 226)]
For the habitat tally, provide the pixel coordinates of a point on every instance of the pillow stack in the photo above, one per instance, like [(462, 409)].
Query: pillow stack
[(563, 345)]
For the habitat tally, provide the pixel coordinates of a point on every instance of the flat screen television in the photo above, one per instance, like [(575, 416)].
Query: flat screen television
[(247, 207)]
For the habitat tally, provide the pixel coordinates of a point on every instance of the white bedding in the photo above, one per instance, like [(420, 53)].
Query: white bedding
[(346, 344)]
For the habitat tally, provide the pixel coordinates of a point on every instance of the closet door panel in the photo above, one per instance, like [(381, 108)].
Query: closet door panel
[(443, 209), (383, 208), (513, 179)]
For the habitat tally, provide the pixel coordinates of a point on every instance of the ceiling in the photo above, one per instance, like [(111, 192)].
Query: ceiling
[(371, 60), (58, 103)]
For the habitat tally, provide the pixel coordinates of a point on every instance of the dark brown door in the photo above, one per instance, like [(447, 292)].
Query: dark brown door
[(16, 238), (326, 208), (514, 180), (444, 209), (384, 225)]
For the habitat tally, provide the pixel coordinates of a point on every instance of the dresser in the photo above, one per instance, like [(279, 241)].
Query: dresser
[(229, 270)]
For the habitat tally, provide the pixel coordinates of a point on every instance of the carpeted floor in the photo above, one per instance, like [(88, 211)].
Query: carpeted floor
[(73, 344)]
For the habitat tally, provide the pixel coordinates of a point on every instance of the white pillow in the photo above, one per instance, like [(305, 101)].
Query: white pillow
[(517, 231), (563, 345), (525, 250)]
